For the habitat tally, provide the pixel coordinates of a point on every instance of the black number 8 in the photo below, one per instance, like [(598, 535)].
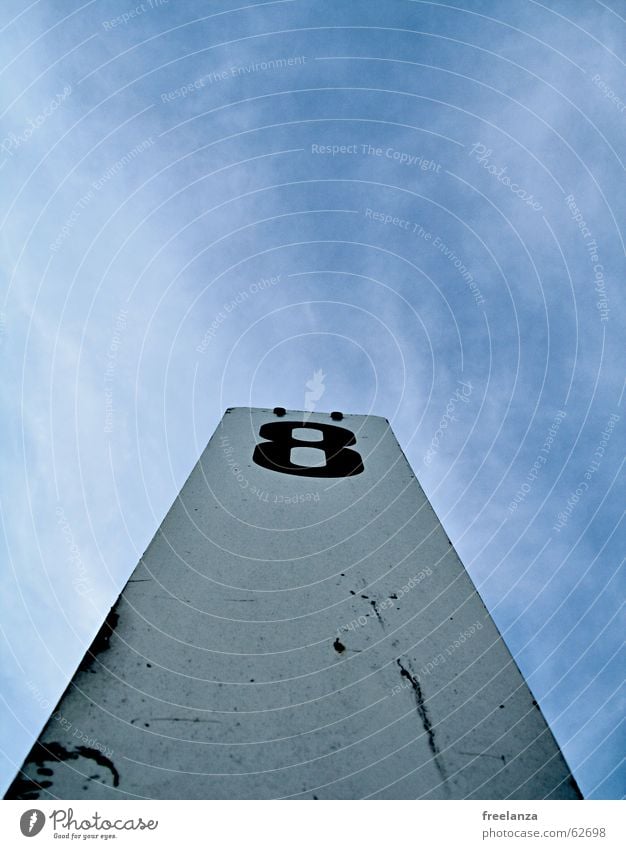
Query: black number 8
[(341, 461)]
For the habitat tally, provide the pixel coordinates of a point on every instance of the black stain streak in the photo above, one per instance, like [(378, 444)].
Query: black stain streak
[(27, 788), (378, 616), (174, 719), (423, 715), (484, 755), (339, 646), (101, 640)]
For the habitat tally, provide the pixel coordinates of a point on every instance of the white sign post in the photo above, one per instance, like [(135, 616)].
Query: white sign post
[(299, 627)]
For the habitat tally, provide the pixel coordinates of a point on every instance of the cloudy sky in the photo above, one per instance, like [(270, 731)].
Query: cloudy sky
[(205, 204)]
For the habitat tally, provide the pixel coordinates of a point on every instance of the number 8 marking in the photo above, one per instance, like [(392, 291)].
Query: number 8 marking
[(275, 454)]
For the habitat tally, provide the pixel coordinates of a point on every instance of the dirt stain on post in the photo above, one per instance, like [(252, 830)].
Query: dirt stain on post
[(405, 672), (54, 753)]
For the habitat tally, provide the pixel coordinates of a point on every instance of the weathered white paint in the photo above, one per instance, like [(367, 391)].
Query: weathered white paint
[(265, 647)]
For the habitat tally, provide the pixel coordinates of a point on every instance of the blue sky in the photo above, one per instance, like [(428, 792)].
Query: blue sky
[(432, 194)]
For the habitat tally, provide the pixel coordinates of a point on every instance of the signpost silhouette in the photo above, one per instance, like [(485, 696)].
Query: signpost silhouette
[(299, 627)]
